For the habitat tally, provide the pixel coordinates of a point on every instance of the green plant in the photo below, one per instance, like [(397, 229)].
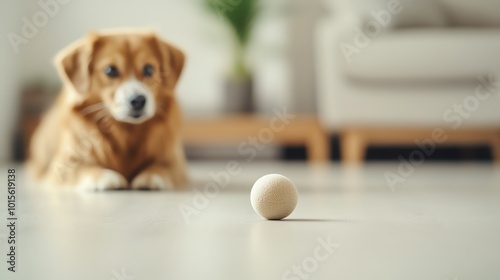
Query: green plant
[(240, 16)]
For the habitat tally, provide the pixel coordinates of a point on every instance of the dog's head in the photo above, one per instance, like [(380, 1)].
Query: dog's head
[(132, 74)]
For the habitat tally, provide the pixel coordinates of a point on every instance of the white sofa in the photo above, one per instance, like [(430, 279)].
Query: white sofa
[(393, 71)]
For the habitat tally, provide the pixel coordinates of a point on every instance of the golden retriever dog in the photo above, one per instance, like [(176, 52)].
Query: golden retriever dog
[(116, 123)]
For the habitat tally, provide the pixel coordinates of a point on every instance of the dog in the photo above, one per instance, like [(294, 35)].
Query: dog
[(116, 123)]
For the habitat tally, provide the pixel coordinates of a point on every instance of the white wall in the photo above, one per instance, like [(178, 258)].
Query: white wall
[(9, 78)]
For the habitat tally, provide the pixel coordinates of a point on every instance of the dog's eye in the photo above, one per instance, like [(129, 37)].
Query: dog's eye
[(148, 71), (112, 71)]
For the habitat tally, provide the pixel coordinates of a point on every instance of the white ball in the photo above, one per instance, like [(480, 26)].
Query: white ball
[(274, 196)]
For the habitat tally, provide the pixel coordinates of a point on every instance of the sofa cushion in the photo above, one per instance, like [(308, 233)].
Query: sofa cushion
[(472, 13), (429, 54), (421, 13), (417, 13)]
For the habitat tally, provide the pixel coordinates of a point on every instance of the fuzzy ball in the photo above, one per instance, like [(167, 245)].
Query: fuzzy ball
[(274, 196)]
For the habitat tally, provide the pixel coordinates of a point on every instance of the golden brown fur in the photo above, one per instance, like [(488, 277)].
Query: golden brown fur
[(79, 143)]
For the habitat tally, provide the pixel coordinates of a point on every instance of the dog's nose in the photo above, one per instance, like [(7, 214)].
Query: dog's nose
[(138, 101)]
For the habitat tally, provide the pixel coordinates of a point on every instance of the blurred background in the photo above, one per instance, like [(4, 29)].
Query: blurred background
[(364, 80)]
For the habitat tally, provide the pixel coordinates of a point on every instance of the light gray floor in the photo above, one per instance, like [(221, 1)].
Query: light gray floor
[(442, 222)]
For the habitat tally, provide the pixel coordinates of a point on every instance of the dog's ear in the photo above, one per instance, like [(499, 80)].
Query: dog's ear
[(74, 64), (172, 62)]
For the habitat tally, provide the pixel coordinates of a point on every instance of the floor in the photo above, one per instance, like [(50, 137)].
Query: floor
[(436, 221)]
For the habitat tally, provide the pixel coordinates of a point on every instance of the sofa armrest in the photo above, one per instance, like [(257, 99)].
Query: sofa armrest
[(328, 59), (334, 30)]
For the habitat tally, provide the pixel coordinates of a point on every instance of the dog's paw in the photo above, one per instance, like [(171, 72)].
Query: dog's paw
[(101, 180), (151, 181)]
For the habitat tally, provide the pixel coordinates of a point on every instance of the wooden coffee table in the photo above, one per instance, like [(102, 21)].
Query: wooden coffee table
[(236, 129)]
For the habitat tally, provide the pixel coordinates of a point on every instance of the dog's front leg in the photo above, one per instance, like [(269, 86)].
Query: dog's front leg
[(95, 178), (154, 177), (160, 177)]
